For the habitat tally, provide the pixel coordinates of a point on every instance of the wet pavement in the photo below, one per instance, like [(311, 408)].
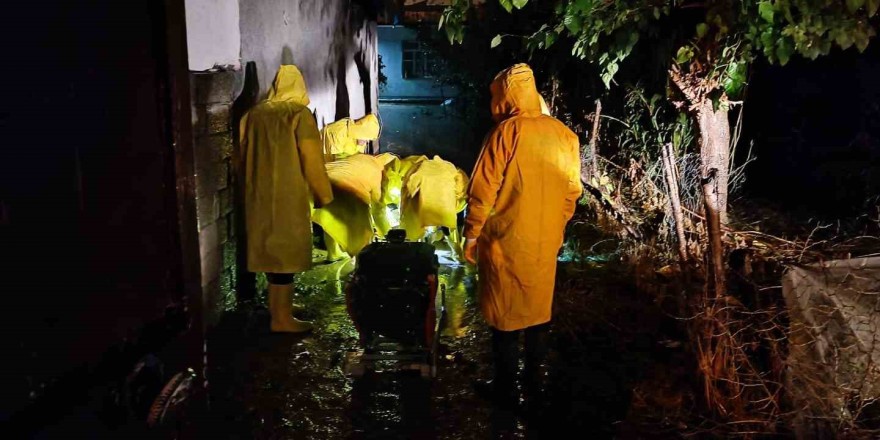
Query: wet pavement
[(272, 386)]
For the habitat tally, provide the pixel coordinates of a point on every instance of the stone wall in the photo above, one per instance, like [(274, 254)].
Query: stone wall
[(212, 97), (334, 44)]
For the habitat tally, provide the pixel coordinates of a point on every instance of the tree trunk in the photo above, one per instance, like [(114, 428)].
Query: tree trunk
[(714, 161)]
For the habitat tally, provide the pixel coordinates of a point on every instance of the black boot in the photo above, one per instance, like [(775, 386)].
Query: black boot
[(533, 377), (502, 390)]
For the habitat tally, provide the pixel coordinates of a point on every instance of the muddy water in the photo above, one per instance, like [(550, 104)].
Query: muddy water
[(289, 386)]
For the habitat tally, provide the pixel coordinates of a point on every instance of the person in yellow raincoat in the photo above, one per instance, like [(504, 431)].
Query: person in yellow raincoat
[(433, 193), (523, 191), (357, 186), (346, 137), (383, 218), (279, 161)]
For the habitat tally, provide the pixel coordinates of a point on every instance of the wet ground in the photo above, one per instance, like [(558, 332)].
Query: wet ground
[(273, 386)]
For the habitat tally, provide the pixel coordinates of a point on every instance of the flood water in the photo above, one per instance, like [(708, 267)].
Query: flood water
[(272, 386)]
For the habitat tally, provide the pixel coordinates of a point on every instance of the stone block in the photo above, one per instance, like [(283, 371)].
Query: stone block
[(214, 148), (233, 226), (198, 119), (218, 118), (206, 179), (209, 239), (222, 175), (212, 265), (223, 229), (207, 210), (214, 87), (225, 196)]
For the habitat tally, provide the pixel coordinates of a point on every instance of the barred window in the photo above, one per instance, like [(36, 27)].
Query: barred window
[(419, 61)]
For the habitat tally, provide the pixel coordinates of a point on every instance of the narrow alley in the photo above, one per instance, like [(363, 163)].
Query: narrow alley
[(266, 385)]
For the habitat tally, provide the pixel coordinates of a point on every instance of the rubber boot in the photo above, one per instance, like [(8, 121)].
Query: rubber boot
[(502, 389), (281, 310), (536, 339)]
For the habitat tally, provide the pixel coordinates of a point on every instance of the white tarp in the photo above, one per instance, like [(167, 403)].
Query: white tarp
[(834, 355)]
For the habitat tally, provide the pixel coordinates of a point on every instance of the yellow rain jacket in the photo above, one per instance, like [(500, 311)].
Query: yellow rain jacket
[(357, 185), (391, 183), (280, 159), (522, 193), (433, 192), (341, 137)]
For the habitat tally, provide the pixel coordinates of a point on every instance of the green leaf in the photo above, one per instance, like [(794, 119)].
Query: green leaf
[(450, 33), (573, 23), (872, 6), (608, 74), (861, 39), (765, 10), (767, 38), (736, 79), (495, 41), (854, 5), (549, 39), (702, 30), (842, 38), (583, 5), (784, 49), (657, 13), (684, 55), (519, 4), (507, 5)]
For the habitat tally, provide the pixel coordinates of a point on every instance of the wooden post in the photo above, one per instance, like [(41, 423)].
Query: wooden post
[(594, 140), (675, 200)]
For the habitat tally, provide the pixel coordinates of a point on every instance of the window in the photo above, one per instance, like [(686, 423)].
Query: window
[(419, 61)]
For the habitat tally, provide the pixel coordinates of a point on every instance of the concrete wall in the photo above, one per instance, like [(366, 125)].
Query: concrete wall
[(332, 42), (391, 40), (212, 34)]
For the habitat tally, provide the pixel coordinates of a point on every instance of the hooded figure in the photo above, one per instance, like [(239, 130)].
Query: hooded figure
[(383, 219), (522, 193), (343, 138), (280, 163), (357, 187), (434, 191)]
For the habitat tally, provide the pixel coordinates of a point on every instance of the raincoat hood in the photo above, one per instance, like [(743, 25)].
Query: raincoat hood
[(366, 128), (514, 93), (289, 86), (544, 109)]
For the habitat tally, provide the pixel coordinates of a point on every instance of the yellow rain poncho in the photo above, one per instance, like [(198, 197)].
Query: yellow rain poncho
[(391, 183), (279, 161), (522, 193), (434, 191), (357, 185), (341, 137)]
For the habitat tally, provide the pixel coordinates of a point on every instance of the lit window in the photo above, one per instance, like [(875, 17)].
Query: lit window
[(419, 61)]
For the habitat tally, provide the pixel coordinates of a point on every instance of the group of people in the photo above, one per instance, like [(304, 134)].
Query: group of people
[(519, 197), (293, 175)]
